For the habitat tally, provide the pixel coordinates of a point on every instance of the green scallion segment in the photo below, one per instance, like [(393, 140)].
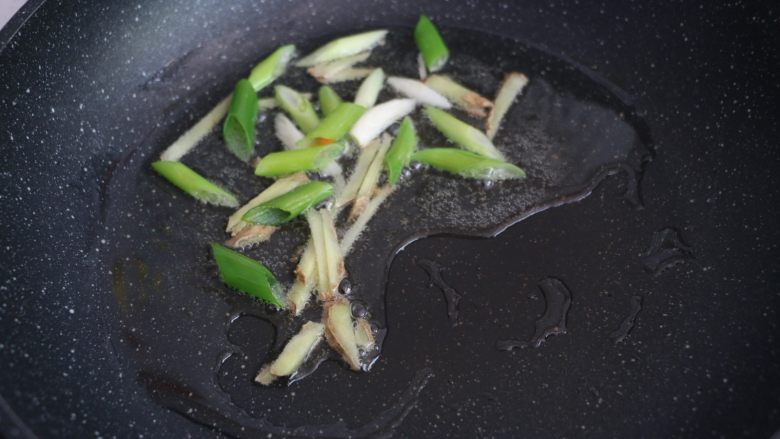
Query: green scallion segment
[(343, 47), (194, 184), (329, 100), (463, 134), (430, 44), (334, 126), (369, 89), (401, 150), (247, 275), (286, 207), (239, 127), (313, 158), (272, 67), (467, 164), (298, 107)]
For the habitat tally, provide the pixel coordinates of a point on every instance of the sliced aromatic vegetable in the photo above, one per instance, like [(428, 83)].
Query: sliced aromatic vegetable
[(272, 67), (463, 134), (313, 158), (334, 126), (468, 100), (430, 44), (467, 164), (262, 75), (298, 296), (239, 127), (298, 107), (287, 132), (339, 331), (400, 153), (364, 335), (305, 271), (247, 275), (412, 88), (370, 88), (513, 85), (279, 187), (364, 160), (379, 118), (314, 219), (421, 70), (326, 72), (328, 257), (343, 47), (194, 184), (286, 207), (187, 141), (350, 75), (329, 100), (369, 183), (305, 278), (250, 235), (264, 104), (359, 225), (296, 350), (334, 259)]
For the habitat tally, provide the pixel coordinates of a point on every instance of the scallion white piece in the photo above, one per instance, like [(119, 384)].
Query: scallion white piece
[(326, 71), (351, 74), (359, 225), (513, 85), (370, 180), (412, 88), (358, 173), (377, 119), (264, 104), (421, 70), (370, 88), (468, 100), (201, 129), (343, 47), (287, 132)]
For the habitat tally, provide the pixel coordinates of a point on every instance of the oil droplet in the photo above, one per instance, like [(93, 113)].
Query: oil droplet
[(667, 249), (627, 324), (553, 322), (451, 296)]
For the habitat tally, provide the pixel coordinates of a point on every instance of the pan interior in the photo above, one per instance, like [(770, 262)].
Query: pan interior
[(196, 345)]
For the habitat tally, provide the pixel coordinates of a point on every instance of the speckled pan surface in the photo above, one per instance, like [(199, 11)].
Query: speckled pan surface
[(91, 90)]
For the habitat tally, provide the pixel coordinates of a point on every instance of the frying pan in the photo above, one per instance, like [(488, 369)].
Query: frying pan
[(91, 91)]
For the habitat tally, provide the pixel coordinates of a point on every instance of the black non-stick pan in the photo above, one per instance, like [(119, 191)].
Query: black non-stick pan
[(639, 300)]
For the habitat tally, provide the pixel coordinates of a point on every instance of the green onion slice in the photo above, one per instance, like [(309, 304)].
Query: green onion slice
[(329, 100), (288, 206), (400, 153), (313, 158), (343, 47), (334, 126), (272, 67), (467, 164), (239, 127), (247, 275), (430, 44), (462, 133), (298, 107), (194, 184)]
